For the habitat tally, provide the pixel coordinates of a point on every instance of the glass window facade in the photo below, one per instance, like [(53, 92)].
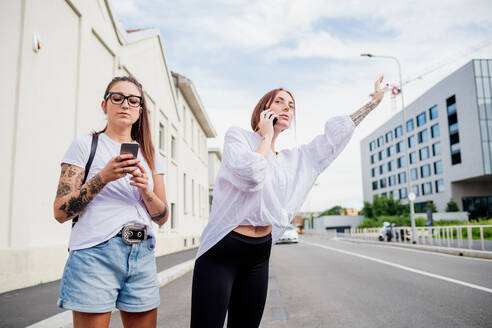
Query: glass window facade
[(439, 186), (454, 136), (433, 112), (424, 153), (382, 183), (399, 146), (421, 119), (426, 188), (402, 177), (423, 135), (413, 157), (390, 151), (414, 174), (389, 136), (412, 141), (403, 193), (373, 172), (415, 190), (380, 141), (436, 149), (400, 162), (392, 180), (374, 185), (435, 130), (372, 145), (398, 131), (372, 159), (483, 82), (410, 125), (380, 155), (425, 170), (438, 167)]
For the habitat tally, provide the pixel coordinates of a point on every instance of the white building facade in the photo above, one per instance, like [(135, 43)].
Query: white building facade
[(57, 58), (446, 142)]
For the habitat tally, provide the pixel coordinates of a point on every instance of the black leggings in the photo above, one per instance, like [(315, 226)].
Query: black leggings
[(231, 277)]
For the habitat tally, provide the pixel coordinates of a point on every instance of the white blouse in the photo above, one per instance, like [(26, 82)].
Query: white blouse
[(250, 189)]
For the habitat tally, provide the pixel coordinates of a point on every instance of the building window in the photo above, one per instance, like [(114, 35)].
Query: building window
[(392, 180), (372, 145), (373, 172), (413, 157), (415, 190), (398, 131), (382, 169), (402, 177), (380, 141), (185, 209), (438, 167), (439, 185), (436, 149), (414, 174), (374, 185), (399, 146), (162, 139), (390, 151), (400, 162), (410, 125), (423, 135), (454, 137), (380, 155), (421, 120), (172, 216), (425, 171), (433, 112), (403, 193), (389, 136), (412, 141), (424, 153), (391, 166), (372, 159), (426, 188), (435, 130), (382, 183), (173, 147)]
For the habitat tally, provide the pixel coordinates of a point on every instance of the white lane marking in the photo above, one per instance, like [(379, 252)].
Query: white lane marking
[(399, 266), (467, 258)]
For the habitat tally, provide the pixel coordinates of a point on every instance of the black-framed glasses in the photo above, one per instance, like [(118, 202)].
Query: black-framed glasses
[(118, 98)]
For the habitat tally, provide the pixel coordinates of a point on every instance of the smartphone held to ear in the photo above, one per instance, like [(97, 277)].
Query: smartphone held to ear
[(274, 120), (129, 148)]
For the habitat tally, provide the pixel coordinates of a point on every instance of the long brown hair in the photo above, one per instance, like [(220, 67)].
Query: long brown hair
[(264, 103), (141, 128)]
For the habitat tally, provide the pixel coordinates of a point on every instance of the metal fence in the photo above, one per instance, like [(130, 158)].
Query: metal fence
[(443, 236)]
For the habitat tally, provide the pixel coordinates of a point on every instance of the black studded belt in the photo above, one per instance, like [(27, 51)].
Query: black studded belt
[(132, 234)]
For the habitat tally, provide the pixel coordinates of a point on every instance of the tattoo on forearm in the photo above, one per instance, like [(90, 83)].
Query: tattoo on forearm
[(76, 203), (360, 114), (160, 216)]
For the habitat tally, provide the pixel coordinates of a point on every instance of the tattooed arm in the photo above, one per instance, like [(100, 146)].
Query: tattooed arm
[(155, 200), (377, 96), (72, 196)]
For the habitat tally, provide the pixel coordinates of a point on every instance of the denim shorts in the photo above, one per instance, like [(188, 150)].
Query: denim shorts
[(111, 274)]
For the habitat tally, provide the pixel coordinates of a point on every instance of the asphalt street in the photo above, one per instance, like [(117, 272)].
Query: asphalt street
[(329, 283)]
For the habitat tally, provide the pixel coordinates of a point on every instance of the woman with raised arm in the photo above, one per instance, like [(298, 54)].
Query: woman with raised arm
[(111, 261), (257, 192)]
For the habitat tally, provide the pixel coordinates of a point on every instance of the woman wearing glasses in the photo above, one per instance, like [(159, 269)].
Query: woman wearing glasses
[(111, 261), (256, 193)]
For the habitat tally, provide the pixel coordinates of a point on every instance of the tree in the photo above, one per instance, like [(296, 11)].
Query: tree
[(367, 210), (335, 210), (452, 206)]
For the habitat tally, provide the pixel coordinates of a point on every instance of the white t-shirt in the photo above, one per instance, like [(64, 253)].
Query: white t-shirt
[(249, 189), (117, 204)]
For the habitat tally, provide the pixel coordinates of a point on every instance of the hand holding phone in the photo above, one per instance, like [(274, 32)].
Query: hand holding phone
[(129, 148), (274, 120)]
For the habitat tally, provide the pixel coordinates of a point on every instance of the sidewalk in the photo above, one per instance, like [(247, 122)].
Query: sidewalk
[(24, 307)]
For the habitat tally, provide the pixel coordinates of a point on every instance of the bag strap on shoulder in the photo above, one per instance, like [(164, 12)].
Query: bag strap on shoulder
[(88, 166)]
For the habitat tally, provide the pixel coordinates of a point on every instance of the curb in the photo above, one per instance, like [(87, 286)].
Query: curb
[(64, 319), (436, 249)]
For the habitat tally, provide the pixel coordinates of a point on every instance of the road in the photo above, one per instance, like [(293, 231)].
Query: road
[(330, 283)]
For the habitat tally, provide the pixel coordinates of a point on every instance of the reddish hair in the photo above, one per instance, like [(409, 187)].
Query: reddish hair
[(264, 103)]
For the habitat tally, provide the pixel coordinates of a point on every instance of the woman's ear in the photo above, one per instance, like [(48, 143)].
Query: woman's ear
[(103, 107)]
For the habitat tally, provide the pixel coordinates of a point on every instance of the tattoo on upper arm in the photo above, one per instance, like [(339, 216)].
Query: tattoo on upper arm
[(79, 195)]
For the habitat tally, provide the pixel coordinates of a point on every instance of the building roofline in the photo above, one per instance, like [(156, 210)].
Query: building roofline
[(193, 99), (217, 151)]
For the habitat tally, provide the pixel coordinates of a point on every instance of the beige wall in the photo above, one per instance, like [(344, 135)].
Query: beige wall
[(54, 95)]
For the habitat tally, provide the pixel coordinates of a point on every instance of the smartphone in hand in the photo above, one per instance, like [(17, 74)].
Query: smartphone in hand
[(129, 148), (274, 120)]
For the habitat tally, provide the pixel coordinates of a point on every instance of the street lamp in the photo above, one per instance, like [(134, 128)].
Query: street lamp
[(412, 219)]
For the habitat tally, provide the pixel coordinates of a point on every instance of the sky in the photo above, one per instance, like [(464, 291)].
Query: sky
[(235, 51)]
